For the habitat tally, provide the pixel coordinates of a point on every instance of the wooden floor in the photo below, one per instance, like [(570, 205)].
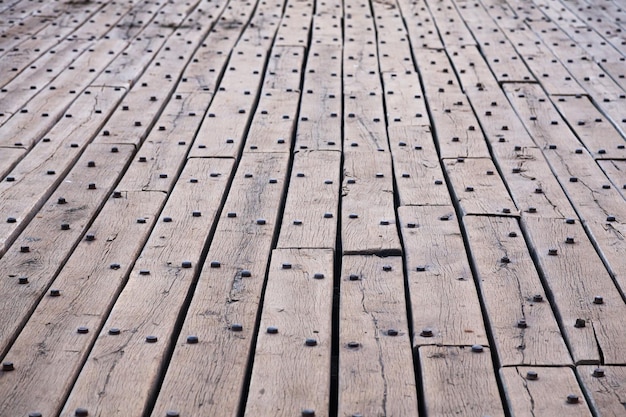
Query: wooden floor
[(312, 208)]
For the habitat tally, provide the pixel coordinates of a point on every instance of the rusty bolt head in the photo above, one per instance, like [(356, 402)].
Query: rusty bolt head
[(532, 375)]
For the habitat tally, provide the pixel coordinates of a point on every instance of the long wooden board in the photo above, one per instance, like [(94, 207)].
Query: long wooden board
[(546, 392), (444, 302), (520, 317), (376, 376), (591, 326), (294, 354), (459, 381), (312, 204), (152, 299), (208, 378), (605, 388)]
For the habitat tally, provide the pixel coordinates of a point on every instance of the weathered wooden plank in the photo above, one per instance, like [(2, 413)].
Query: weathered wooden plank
[(423, 33), (532, 184), (543, 392), (49, 352), (28, 125), (418, 174), (444, 301), (524, 329), (457, 130), (478, 188), (615, 170), (375, 356), (364, 120), (152, 299), (459, 381), (274, 122), (295, 25), (404, 99), (566, 268), (298, 304), (284, 69), (473, 70), (605, 388), (321, 100), (600, 138), (367, 205), (312, 204), (450, 24), (162, 154), (8, 159), (74, 202), (207, 378), (435, 67), (35, 177)]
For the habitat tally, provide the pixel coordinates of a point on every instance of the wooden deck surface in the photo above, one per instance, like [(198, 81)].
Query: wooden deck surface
[(312, 208)]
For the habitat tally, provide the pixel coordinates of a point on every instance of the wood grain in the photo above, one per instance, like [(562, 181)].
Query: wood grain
[(607, 394)]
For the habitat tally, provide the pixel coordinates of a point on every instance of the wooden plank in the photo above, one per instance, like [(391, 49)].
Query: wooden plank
[(274, 122), (321, 100), (423, 33), (417, 171), (36, 176), (435, 67), (163, 153), (524, 329), (152, 300), (547, 392), (606, 391), (478, 188), (473, 70), (443, 294), (566, 276), (48, 352), (404, 99), (311, 208), (392, 39), (615, 170), (40, 264), (458, 381), (600, 138), (364, 120), (375, 356), (298, 303), (28, 125), (284, 69), (8, 158), (457, 130), (327, 25), (368, 183), (532, 184), (207, 378), (295, 25), (450, 24)]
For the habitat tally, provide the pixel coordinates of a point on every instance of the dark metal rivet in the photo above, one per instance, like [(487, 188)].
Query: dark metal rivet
[(505, 260), (354, 345), (172, 413), (144, 272), (610, 218), (167, 219), (236, 327), (22, 280), (246, 274), (318, 275), (580, 323), (353, 277), (307, 412), (512, 234), (55, 293), (522, 324), (570, 221), (273, 181), (11, 220), (186, 264), (598, 299), (141, 220), (114, 331), (261, 221), (231, 214), (24, 249), (387, 268), (477, 348), (82, 330), (286, 265), (328, 215), (384, 222), (552, 252), (392, 332), (196, 213), (532, 375), (151, 339), (297, 222), (310, 342), (353, 216), (421, 268), (215, 264), (7, 366), (192, 339), (91, 164), (81, 412), (598, 373), (572, 399), (91, 186), (117, 194), (272, 329), (569, 240), (537, 298), (426, 332)]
